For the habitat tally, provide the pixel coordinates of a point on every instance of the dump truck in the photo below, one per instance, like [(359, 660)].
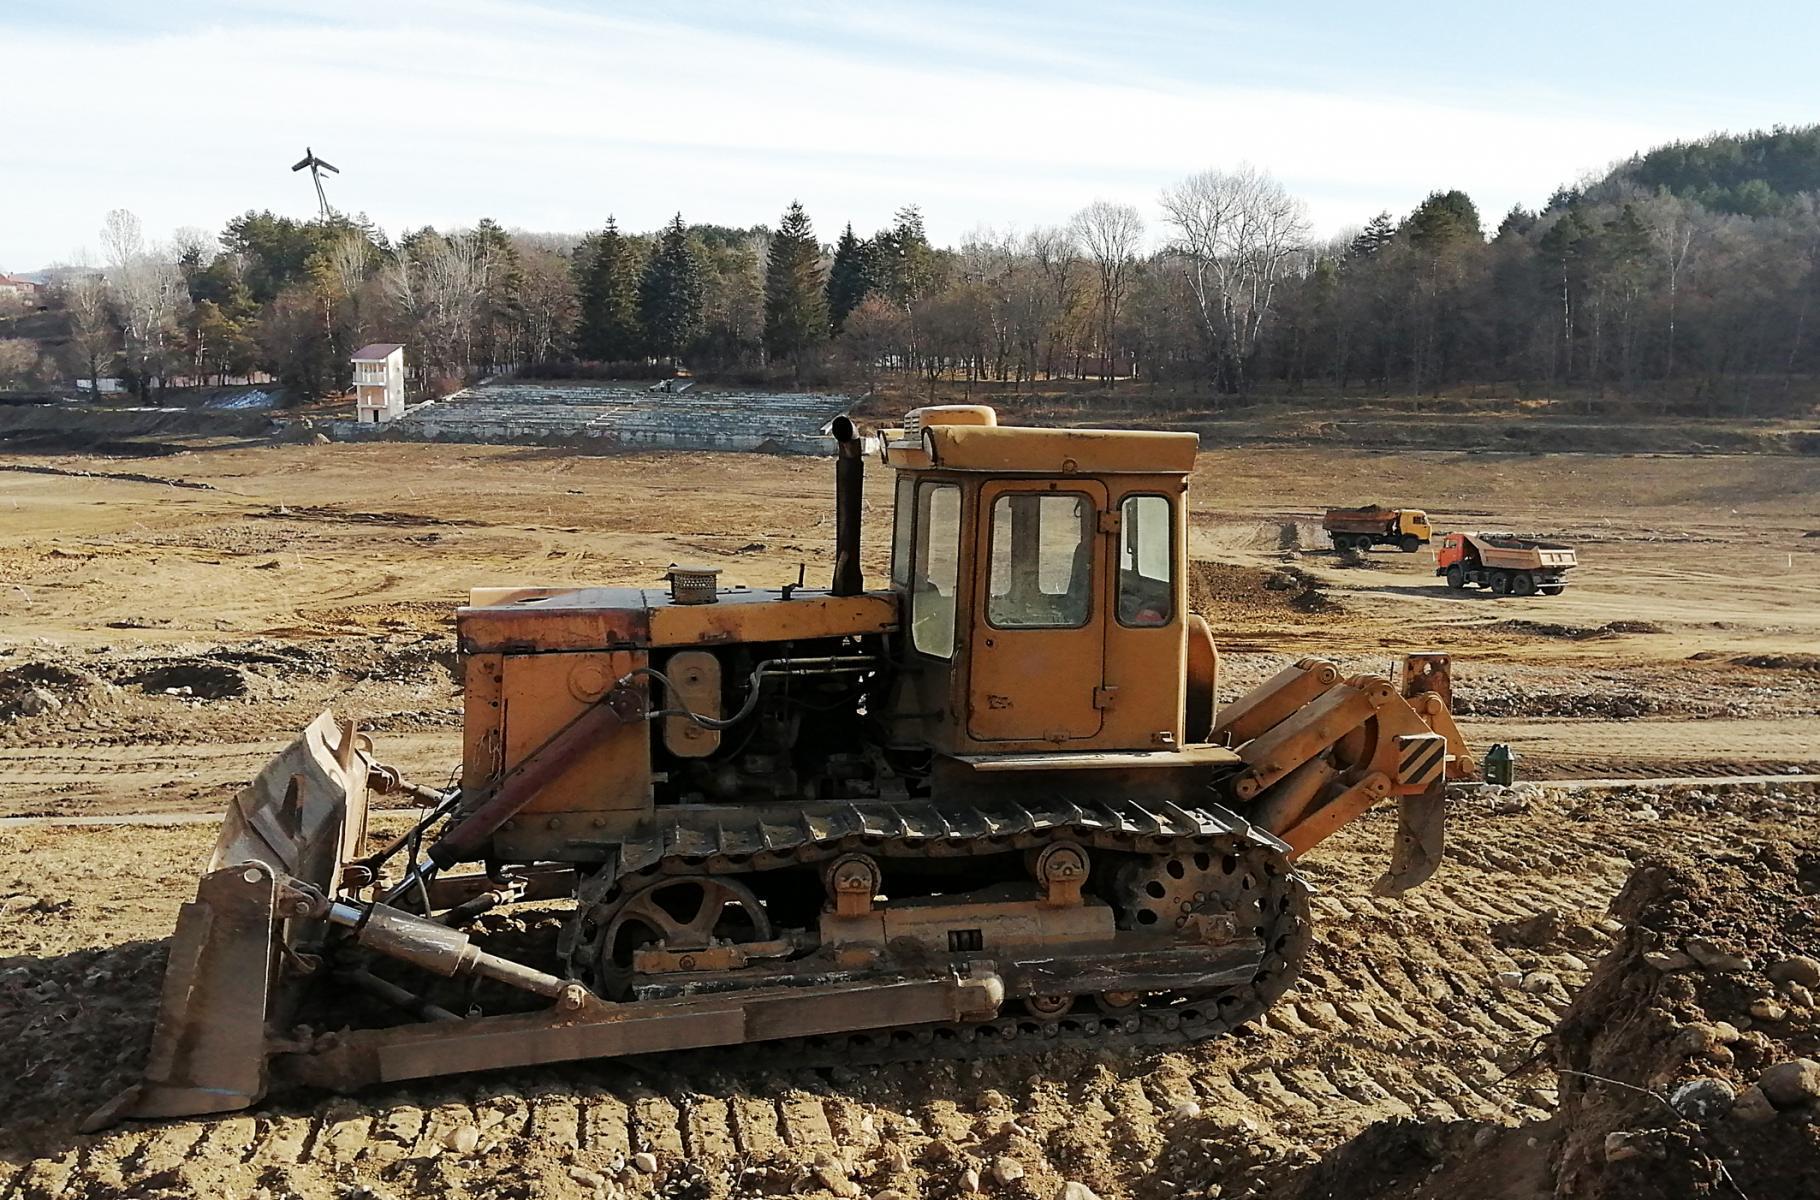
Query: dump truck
[(1505, 563), (1362, 528), (988, 805)]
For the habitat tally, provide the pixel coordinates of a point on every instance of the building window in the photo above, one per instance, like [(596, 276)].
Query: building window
[(935, 573), (1042, 561), (1146, 562)]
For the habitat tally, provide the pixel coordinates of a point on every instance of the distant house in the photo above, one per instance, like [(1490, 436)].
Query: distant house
[(379, 383), (24, 290)]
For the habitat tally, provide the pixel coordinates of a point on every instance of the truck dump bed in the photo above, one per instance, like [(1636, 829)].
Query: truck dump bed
[(1511, 553), (1369, 519)]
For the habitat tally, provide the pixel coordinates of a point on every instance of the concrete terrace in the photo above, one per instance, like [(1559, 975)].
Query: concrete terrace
[(688, 416)]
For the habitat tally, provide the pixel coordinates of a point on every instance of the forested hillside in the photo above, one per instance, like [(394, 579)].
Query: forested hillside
[(1688, 276), (1755, 174)]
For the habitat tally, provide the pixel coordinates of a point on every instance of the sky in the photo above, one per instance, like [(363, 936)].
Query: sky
[(549, 116)]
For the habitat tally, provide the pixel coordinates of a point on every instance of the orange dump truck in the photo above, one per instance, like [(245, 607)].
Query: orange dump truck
[(1362, 528), (1507, 564)]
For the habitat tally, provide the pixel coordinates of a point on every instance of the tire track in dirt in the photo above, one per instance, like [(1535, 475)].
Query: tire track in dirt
[(1415, 1005)]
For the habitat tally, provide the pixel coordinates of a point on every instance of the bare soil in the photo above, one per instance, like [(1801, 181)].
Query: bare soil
[(183, 633)]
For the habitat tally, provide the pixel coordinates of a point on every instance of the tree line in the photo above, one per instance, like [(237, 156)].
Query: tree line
[(1686, 275)]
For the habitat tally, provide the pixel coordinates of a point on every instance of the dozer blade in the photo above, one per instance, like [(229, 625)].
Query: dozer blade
[(1420, 842), (232, 954)]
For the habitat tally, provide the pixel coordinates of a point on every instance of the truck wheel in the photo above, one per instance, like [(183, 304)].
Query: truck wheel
[(1456, 577), (1522, 584), (1553, 589), (1409, 543), (1500, 583)]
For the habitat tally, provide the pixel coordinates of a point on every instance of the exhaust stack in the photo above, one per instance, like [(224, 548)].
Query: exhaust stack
[(849, 489)]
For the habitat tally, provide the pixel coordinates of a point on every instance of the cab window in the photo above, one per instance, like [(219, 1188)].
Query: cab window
[(1146, 562), (935, 568), (1042, 561), (902, 524)]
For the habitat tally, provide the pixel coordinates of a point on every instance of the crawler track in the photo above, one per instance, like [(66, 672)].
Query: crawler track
[(713, 842), (1399, 1011)]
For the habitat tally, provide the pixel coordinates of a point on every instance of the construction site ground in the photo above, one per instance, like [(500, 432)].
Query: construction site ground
[(167, 622)]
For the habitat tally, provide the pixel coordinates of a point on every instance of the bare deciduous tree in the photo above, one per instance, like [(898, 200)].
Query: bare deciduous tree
[(1235, 233), (874, 331), (989, 261), (1057, 257), (149, 295), (84, 295), (1111, 234), (1673, 226), (550, 304), (435, 283)]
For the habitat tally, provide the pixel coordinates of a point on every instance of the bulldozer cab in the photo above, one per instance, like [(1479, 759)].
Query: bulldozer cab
[(1043, 580)]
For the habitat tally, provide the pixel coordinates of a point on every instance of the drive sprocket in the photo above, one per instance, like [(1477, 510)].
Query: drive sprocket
[(1215, 894)]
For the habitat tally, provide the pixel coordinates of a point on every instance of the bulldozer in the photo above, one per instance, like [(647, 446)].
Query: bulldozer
[(990, 806)]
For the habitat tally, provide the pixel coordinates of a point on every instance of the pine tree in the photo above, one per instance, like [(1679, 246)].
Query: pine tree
[(1516, 223), (906, 261), (670, 293), (850, 278), (1444, 219), (1378, 233), (501, 283), (608, 329), (796, 312)]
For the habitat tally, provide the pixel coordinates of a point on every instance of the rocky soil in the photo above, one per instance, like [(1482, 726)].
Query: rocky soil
[(159, 641), (1455, 1010)]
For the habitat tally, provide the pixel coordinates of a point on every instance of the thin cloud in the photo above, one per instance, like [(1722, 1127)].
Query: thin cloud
[(548, 116)]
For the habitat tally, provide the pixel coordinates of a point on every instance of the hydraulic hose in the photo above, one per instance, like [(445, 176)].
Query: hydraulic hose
[(831, 665)]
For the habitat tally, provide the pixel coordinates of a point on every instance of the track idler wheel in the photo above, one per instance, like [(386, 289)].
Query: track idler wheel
[(676, 913)]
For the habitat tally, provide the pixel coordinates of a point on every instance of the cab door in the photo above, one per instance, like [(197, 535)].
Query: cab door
[(1037, 655)]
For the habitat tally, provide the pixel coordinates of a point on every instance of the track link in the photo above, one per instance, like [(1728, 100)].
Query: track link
[(1268, 898), (1156, 1021)]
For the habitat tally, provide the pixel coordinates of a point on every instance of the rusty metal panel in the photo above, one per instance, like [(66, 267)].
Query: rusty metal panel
[(518, 620), (540, 695), (208, 1047), (1025, 450), (1428, 673), (482, 720), (526, 1043), (695, 679), (739, 617), (997, 925), (347, 1061)]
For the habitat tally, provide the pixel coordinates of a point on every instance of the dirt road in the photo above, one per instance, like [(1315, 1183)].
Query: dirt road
[(157, 643)]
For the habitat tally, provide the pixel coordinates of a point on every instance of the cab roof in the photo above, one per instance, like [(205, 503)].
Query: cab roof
[(975, 442)]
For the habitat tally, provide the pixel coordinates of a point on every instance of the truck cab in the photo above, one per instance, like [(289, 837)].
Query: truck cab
[(1043, 582), (1413, 522)]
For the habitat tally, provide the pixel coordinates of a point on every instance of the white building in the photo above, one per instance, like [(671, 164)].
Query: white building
[(379, 383)]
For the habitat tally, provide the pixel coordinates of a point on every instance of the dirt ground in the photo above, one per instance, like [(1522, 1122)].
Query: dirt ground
[(167, 622)]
